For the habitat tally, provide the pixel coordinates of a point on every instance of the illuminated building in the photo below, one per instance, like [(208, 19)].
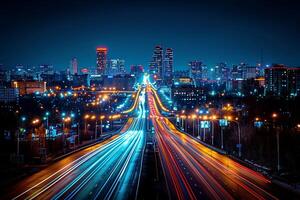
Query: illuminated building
[(168, 66), (74, 66), (276, 80), (46, 69), (156, 64), (221, 73), (81, 80), (186, 96), (120, 82), (282, 81), (294, 81), (137, 71), (115, 67), (101, 60), (183, 81), (29, 87), (195, 68), (9, 95), (84, 70)]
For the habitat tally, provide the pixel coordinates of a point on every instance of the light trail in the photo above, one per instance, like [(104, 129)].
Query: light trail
[(135, 102), (107, 170), (195, 171)]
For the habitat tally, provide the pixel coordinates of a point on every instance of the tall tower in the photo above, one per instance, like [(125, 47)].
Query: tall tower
[(156, 65), (101, 60), (74, 66), (196, 72), (168, 66)]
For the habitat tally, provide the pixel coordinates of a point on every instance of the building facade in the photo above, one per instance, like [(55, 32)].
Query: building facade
[(101, 60)]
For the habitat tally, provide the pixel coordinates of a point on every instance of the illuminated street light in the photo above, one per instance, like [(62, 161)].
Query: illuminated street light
[(63, 114), (274, 115), (35, 121)]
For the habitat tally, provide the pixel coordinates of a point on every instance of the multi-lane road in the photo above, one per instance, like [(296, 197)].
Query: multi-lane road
[(194, 171), (112, 169), (107, 170)]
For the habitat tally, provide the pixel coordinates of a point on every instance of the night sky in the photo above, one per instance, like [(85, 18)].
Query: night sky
[(52, 32)]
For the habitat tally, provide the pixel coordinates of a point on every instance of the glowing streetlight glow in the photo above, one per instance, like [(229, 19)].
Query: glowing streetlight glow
[(274, 115)]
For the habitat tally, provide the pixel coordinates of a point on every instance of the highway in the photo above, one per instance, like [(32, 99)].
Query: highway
[(108, 170), (193, 171)]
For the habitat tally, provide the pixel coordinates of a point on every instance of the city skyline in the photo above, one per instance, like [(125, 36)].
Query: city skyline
[(136, 99), (231, 32)]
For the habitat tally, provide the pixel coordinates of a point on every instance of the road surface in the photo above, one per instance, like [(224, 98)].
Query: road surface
[(107, 170), (194, 171)]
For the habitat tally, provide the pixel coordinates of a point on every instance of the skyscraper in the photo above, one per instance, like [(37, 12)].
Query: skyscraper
[(196, 71), (156, 64), (101, 60), (221, 72), (121, 66), (276, 80), (115, 67), (168, 66), (74, 66)]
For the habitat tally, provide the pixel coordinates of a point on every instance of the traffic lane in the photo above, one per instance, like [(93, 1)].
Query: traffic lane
[(239, 169), (129, 184), (52, 171), (239, 180), (56, 169), (63, 176), (78, 176), (233, 175), (100, 178), (203, 185)]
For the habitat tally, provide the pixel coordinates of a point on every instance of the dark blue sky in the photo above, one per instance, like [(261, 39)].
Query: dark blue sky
[(34, 32)]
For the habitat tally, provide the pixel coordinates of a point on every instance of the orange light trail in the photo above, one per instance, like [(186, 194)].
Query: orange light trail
[(190, 166)]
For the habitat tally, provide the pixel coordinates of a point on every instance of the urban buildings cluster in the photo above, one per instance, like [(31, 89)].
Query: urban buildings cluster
[(108, 72), (190, 86), (161, 65), (193, 85)]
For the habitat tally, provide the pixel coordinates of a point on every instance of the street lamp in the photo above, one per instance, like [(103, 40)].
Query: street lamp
[(275, 116), (47, 119), (23, 118), (204, 129), (193, 118), (101, 118), (214, 117), (86, 117), (95, 118), (239, 133)]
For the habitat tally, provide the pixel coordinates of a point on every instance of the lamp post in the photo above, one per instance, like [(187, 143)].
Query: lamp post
[(193, 118), (23, 119), (204, 128), (47, 119), (86, 117), (101, 118), (222, 139), (95, 118), (187, 125), (239, 136), (182, 124), (275, 116), (214, 117)]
